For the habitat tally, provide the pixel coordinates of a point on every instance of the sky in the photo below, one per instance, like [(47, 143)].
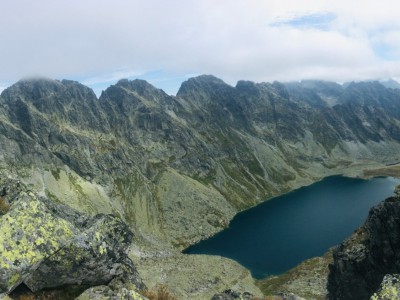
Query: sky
[(98, 42)]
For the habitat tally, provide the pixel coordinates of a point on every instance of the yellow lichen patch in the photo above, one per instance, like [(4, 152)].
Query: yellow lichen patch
[(28, 234), (102, 250), (389, 289), (39, 241), (14, 279)]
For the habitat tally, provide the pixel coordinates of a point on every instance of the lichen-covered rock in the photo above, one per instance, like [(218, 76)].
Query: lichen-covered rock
[(47, 245), (29, 234), (390, 288)]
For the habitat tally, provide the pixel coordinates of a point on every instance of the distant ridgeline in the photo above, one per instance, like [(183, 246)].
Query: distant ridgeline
[(178, 168)]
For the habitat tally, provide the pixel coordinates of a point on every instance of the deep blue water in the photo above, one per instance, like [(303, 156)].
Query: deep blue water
[(276, 235)]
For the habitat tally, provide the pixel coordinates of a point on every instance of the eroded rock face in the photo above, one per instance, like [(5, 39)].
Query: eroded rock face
[(362, 261), (48, 245)]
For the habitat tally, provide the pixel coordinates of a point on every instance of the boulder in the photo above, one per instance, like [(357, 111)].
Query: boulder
[(47, 245), (232, 295)]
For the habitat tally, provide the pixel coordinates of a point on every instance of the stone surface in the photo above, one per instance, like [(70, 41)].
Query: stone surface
[(48, 245), (105, 293), (362, 261), (389, 289), (232, 295)]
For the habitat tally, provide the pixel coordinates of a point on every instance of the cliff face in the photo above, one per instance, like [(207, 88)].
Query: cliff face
[(178, 168), (362, 261)]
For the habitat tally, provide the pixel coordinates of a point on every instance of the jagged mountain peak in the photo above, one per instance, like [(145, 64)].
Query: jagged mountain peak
[(206, 78), (367, 93), (34, 89), (202, 84), (139, 86), (317, 93), (365, 84), (30, 103), (135, 92), (247, 86)]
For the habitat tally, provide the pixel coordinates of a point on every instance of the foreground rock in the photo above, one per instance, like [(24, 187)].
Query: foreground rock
[(45, 245), (362, 261)]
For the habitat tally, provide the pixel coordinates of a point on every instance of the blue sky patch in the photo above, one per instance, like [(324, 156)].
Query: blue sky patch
[(384, 51), (166, 81), (318, 21)]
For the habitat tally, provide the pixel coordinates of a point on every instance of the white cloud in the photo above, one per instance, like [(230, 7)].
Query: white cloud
[(97, 41)]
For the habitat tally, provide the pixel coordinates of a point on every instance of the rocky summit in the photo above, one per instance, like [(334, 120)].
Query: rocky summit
[(167, 170)]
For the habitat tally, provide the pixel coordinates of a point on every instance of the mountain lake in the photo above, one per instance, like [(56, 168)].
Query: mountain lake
[(277, 235)]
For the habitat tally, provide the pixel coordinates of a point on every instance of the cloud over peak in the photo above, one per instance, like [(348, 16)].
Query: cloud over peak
[(98, 40)]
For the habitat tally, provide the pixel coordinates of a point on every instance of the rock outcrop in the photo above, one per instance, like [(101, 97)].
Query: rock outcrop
[(46, 245), (232, 295), (362, 261)]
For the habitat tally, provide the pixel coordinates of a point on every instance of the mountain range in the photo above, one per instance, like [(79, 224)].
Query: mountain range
[(176, 169)]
